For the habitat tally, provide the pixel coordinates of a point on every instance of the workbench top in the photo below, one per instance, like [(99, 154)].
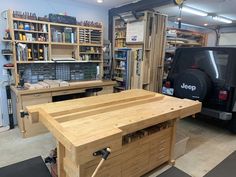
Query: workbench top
[(87, 124), (73, 85)]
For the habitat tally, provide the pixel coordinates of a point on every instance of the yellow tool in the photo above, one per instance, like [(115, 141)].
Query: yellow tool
[(29, 54), (41, 54)]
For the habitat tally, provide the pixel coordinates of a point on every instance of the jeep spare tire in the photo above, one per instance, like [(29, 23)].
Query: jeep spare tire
[(192, 84)]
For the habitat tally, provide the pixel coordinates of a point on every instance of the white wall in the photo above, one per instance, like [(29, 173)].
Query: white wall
[(212, 35), (211, 39), (41, 8)]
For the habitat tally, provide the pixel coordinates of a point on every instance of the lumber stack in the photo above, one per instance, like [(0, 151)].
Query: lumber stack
[(153, 47)]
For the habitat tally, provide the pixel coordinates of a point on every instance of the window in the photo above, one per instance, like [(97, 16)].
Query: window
[(212, 62)]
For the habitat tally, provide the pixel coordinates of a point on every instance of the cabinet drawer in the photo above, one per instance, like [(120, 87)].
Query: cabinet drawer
[(134, 149), (30, 100), (159, 153), (36, 95), (68, 92), (34, 99), (110, 168), (136, 166)]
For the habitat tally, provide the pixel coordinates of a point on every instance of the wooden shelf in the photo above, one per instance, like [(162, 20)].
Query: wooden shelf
[(30, 21), (77, 61), (122, 59), (55, 49), (63, 43), (90, 61), (28, 62), (63, 25), (120, 27), (185, 38), (170, 51), (123, 69), (92, 53), (119, 79), (30, 31), (7, 54), (4, 40), (120, 49), (9, 68), (31, 42), (90, 27), (89, 44), (120, 38)]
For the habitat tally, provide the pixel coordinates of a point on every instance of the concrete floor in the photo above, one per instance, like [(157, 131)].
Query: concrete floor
[(207, 147)]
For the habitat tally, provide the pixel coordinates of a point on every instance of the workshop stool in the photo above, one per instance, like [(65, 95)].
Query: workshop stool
[(34, 167)]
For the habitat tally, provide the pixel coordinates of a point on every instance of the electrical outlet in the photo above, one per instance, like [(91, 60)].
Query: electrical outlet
[(4, 72)]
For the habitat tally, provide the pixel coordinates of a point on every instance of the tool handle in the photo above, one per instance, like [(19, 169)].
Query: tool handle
[(104, 153), (98, 167)]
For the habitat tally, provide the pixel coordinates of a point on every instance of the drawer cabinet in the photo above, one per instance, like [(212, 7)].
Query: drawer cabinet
[(34, 99), (68, 92), (110, 168), (148, 153), (21, 99)]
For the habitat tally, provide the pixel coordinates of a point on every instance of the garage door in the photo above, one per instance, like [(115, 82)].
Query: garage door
[(227, 39)]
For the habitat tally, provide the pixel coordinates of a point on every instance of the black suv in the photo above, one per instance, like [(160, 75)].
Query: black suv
[(207, 74)]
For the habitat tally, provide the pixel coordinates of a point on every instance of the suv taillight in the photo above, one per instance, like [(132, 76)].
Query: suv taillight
[(167, 84), (223, 95)]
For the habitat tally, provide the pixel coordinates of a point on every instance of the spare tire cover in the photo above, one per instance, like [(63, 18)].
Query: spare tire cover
[(192, 84)]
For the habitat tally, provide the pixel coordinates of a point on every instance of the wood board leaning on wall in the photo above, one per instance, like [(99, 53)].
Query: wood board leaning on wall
[(146, 37)]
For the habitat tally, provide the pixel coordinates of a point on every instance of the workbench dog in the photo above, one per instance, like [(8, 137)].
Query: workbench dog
[(138, 126)]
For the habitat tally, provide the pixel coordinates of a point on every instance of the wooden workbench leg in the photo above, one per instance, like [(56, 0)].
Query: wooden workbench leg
[(60, 157), (173, 142)]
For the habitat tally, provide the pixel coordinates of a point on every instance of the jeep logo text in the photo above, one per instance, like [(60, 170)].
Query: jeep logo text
[(188, 87)]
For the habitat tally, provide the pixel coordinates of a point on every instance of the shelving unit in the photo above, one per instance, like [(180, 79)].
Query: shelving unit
[(183, 38), (122, 69), (119, 33), (44, 42), (107, 60), (121, 56), (145, 36)]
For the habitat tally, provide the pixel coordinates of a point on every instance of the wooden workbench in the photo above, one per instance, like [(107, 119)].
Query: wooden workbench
[(138, 126), (22, 98)]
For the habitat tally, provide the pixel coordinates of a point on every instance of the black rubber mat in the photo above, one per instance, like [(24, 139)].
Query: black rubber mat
[(34, 167), (173, 172), (227, 168)]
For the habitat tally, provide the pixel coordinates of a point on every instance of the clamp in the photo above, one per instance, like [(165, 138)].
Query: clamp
[(104, 153), (23, 114)]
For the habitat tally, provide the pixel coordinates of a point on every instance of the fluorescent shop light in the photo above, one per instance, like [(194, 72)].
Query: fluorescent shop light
[(194, 11), (99, 1), (221, 19)]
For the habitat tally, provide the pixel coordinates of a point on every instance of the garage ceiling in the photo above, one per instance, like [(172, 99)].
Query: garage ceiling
[(109, 3), (225, 8)]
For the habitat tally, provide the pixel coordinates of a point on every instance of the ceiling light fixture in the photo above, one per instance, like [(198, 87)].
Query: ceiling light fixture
[(194, 11), (222, 19), (99, 1)]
